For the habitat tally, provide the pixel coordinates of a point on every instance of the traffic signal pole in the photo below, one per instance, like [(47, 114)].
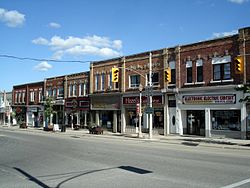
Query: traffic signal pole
[(150, 97)]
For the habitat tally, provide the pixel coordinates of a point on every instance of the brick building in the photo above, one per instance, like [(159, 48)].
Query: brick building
[(54, 87), (76, 99), (201, 98), (27, 103), (206, 99)]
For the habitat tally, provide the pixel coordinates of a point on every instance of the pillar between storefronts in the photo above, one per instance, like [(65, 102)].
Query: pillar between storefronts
[(114, 121), (97, 119), (27, 117), (85, 119), (207, 123), (243, 121), (123, 120)]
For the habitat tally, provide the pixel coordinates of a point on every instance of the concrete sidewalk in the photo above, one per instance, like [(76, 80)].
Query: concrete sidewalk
[(187, 140)]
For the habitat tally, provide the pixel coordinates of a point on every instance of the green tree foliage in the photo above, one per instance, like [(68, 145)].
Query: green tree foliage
[(48, 107), (245, 89)]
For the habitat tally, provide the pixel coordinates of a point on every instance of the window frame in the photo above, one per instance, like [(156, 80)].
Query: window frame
[(137, 79)]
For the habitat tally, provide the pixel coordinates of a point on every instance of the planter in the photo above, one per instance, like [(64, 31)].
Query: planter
[(23, 126)]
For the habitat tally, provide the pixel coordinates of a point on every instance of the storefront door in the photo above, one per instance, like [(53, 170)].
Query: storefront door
[(196, 122)]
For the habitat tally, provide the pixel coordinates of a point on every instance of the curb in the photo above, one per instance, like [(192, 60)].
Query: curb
[(190, 142)]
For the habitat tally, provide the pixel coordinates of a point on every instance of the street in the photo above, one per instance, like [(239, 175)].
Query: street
[(57, 160)]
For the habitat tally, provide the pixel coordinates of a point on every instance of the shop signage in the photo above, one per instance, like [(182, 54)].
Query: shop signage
[(135, 100), (209, 99)]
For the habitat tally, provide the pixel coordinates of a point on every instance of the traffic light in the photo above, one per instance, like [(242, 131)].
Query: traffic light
[(167, 75), (115, 74), (239, 65)]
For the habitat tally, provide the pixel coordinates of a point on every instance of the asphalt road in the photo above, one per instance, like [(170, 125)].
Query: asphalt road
[(56, 160)]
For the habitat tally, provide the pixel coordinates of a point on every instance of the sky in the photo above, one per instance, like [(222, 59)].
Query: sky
[(76, 32)]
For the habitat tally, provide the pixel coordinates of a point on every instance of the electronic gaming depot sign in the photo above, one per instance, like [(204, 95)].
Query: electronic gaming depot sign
[(209, 99)]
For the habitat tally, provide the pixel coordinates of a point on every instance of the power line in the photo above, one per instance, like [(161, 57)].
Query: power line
[(37, 59)]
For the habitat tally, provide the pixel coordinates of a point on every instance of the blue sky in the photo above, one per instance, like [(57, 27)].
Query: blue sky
[(88, 30)]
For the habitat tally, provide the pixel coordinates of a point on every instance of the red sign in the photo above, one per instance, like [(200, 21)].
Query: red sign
[(134, 100)]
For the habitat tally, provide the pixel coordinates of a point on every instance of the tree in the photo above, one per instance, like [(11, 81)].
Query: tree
[(245, 89), (48, 109)]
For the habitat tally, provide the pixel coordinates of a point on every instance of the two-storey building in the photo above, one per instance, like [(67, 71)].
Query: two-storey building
[(206, 101), (27, 103), (77, 104)]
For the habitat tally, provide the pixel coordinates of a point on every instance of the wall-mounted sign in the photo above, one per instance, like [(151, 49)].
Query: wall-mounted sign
[(135, 100), (209, 99)]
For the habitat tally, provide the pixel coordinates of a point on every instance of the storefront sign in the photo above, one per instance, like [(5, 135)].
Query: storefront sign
[(135, 100), (77, 104), (209, 99)]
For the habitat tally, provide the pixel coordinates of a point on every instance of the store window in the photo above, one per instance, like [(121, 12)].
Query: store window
[(226, 120)]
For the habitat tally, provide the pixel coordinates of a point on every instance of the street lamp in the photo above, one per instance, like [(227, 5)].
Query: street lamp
[(140, 114)]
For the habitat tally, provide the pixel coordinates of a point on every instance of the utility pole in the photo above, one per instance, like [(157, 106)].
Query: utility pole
[(150, 96)]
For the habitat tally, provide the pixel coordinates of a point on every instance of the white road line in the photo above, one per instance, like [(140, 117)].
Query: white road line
[(237, 184)]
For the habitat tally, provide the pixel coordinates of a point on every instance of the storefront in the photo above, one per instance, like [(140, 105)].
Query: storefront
[(130, 113), (34, 116), (19, 115), (105, 111), (77, 111), (211, 114)]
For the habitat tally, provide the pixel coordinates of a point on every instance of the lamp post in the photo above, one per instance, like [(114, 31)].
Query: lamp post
[(140, 114)]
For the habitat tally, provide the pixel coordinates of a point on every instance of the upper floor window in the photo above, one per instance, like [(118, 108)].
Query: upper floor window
[(199, 70), (221, 68), (97, 82), (54, 92), (134, 81), (173, 72), (70, 90), (155, 78), (102, 81), (16, 97), (74, 90), (23, 97), (60, 92), (82, 89), (32, 96), (40, 95), (110, 81), (189, 72), (49, 92)]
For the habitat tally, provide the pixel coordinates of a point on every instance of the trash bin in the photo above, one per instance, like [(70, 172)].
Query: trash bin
[(63, 129)]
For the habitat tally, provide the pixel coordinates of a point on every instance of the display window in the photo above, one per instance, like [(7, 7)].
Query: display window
[(226, 120)]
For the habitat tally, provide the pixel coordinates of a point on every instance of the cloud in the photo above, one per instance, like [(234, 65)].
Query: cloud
[(75, 46), (11, 18), (238, 1), (43, 66), (41, 41), (54, 25), (224, 34)]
